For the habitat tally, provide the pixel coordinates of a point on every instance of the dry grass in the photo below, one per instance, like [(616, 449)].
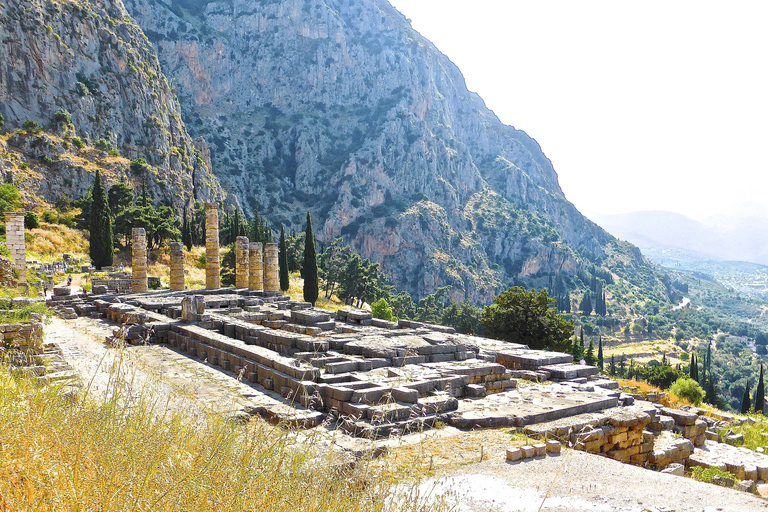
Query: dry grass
[(665, 397), (48, 242), (128, 452)]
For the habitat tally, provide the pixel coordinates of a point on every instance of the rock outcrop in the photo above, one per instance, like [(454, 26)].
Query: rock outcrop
[(90, 59), (342, 108)]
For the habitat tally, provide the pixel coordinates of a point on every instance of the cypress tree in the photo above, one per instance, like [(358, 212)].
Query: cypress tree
[(591, 353), (745, 401), (694, 373), (101, 250), (600, 362), (282, 259), (612, 368), (760, 393), (311, 285), (581, 336), (586, 304), (186, 231)]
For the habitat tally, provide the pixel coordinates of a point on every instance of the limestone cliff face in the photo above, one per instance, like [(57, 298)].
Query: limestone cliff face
[(89, 58), (340, 107)]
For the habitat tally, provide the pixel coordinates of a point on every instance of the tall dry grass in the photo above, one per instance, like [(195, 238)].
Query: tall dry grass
[(130, 451), (48, 242)]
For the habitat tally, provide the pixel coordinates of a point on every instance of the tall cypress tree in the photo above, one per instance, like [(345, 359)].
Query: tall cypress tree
[(186, 231), (694, 372), (745, 401), (760, 393), (282, 259), (590, 356), (311, 285), (600, 362), (101, 250)]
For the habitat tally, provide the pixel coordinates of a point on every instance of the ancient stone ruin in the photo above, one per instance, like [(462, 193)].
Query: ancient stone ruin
[(139, 260), (212, 271), (14, 236)]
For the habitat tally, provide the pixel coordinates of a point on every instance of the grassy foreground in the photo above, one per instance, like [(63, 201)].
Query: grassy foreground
[(61, 454)]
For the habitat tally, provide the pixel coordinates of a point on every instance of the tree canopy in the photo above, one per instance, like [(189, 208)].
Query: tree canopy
[(526, 317)]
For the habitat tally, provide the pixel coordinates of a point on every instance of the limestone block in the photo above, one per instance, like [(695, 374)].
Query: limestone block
[(528, 451), (515, 454), (540, 449), (675, 469), (553, 447)]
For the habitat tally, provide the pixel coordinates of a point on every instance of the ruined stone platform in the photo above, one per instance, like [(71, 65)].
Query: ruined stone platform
[(342, 368)]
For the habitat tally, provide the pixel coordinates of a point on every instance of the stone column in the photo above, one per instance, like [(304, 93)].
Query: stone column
[(256, 266), (212, 276), (177, 266), (241, 262), (271, 269), (14, 236), (139, 260)]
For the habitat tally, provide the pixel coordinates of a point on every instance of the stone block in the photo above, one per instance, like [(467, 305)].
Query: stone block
[(528, 451), (515, 454), (540, 449), (553, 447), (675, 469)]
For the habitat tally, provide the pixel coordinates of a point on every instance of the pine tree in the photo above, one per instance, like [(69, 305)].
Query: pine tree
[(600, 362), (311, 285), (745, 401), (101, 250), (711, 392), (576, 351), (760, 393), (283, 262)]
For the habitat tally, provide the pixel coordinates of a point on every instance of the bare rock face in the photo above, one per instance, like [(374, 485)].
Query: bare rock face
[(90, 59), (340, 107)]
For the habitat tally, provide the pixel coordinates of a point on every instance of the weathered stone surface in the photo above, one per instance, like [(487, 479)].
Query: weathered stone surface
[(212, 275), (177, 266), (255, 266), (271, 269), (139, 282), (14, 236), (242, 259)]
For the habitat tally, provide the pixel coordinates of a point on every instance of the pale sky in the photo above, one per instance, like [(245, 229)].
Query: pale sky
[(653, 105)]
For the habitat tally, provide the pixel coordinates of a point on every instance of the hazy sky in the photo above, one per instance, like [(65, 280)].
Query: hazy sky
[(639, 105)]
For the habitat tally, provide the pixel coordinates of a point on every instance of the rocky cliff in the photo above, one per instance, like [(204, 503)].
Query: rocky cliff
[(89, 58), (336, 106)]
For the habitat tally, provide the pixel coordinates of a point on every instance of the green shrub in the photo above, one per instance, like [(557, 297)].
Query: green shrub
[(382, 310), (113, 152), (31, 221), (706, 474), (30, 126), (103, 145), (2, 120), (78, 142), (62, 117), (688, 389)]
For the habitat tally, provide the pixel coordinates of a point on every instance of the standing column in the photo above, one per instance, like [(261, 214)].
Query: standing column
[(139, 260), (256, 267), (177, 266), (241, 262), (14, 236), (212, 276), (271, 269)]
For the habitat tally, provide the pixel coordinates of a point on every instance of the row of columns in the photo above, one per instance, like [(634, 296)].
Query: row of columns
[(256, 265)]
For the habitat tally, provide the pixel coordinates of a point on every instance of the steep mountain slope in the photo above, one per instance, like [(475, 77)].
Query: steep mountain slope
[(89, 58), (340, 107)]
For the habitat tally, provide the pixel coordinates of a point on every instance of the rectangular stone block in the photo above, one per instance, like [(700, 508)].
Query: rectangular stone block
[(553, 447), (514, 454), (540, 449), (528, 451)]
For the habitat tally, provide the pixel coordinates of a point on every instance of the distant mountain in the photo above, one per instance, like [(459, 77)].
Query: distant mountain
[(744, 239)]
